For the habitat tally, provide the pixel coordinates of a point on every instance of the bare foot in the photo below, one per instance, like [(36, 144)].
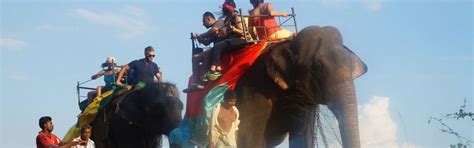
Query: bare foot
[(213, 68)]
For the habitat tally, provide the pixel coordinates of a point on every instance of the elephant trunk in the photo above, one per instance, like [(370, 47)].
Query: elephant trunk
[(344, 107)]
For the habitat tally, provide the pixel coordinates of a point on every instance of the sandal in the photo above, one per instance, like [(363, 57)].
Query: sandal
[(212, 76)]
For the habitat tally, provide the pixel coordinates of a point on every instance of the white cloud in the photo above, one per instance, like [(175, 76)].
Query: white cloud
[(373, 5), (130, 21), (377, 128), (375, 120), (12, 44)]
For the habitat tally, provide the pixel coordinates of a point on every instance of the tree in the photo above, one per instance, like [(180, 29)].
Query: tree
[(463, 142)]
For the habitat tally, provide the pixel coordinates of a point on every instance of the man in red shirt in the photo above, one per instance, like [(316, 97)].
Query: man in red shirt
[(46, 138)]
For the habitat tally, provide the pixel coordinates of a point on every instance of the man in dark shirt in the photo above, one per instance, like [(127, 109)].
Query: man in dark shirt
[(142, 71)]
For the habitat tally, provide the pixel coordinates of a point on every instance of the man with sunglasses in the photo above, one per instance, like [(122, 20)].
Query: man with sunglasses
[(142, 71)]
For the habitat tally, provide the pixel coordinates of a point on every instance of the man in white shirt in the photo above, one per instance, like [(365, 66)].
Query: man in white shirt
[(224, 123), (84, 140)]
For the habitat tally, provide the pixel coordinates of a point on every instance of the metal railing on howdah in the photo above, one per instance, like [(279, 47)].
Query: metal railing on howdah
[(79, 86), (246, 31)]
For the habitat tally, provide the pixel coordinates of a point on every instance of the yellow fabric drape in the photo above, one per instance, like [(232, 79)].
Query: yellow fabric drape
[(86, 117), (280, 34)]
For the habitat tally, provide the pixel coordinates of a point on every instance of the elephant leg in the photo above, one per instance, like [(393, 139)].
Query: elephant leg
[(126, 135), (254, 113), (302, 130), (101, 128), (344, 106), (153, 141)]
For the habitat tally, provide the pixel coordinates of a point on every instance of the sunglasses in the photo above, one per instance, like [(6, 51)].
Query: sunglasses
[(150, 55)]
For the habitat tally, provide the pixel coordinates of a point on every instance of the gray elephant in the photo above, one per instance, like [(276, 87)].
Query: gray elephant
[(139, 118), (278, 94)]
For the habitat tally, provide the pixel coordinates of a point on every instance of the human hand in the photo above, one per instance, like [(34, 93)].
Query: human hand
[(74, 143), (233, 28), (94, 77), (118, 83), (83, 143), (196, 35)]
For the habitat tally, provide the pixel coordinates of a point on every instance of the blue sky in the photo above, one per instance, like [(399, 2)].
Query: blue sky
[(419, 54)]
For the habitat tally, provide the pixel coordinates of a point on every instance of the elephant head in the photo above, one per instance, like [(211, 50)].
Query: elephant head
[(157, 107), (316, 68), (153, 111)]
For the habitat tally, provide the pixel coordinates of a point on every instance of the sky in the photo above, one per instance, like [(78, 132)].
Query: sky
[(419, 54)]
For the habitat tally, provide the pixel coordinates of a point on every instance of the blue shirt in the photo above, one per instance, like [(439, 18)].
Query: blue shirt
[(142, 72)]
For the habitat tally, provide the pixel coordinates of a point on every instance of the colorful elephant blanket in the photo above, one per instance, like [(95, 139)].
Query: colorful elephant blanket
[(194, 126), (88, 115)]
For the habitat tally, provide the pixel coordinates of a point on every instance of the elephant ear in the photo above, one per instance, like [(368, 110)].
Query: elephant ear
[(278, 64), (359, 67)]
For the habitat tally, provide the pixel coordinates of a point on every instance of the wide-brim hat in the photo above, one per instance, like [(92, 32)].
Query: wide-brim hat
[(109, 61)]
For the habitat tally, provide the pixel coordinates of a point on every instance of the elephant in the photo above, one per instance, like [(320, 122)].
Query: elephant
[(139, 118), (279, 94)]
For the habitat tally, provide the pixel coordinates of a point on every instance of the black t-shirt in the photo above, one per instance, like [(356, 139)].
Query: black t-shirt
[(141, 71), (233, 21)]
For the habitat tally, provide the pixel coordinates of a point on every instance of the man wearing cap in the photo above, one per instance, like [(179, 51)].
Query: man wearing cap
[(142, 71)]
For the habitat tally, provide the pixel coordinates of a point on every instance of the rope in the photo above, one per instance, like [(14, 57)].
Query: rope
[(320, 127), (315, 133)]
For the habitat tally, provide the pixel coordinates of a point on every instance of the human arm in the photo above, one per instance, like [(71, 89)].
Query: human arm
[(238, 28), (158, 73), (207, 37), (268, 10), (158, 76), (64, 145), (98, 74), (209, 33), (204, 40), (120, 75), (70, 144)]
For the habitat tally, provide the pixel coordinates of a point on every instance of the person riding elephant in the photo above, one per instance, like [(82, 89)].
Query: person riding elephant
[(262, 18), (109, 72), (235, 39), (215, 34), (142, 71)]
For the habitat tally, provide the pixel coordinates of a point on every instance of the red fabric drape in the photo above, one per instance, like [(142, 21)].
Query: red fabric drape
[(233, 67)]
